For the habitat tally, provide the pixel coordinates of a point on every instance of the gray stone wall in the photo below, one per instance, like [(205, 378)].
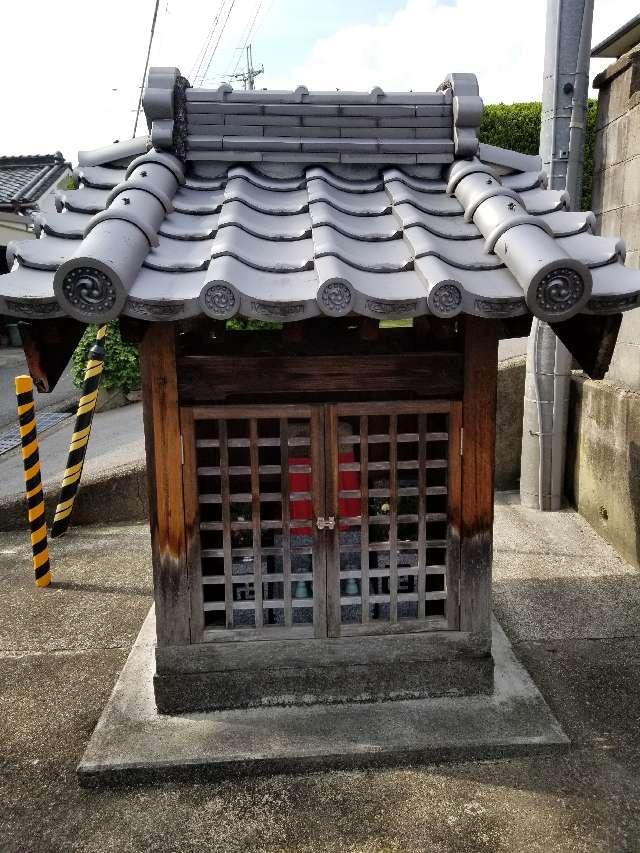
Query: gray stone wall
[(616, 188), (510, 404), (602, 475)]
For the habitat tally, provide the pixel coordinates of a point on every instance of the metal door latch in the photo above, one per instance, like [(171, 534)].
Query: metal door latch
[(322, 522)]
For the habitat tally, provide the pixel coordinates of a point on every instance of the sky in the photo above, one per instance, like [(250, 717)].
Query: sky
[(76, 84)]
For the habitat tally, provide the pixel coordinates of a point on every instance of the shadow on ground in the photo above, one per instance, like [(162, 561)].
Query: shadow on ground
[(566, 600)]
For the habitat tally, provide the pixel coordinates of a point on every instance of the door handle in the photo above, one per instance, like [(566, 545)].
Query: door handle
[(328, 523)]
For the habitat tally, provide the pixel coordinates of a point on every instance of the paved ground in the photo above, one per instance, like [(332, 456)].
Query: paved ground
[(512, 347), (12, 363), (568, 603), (116, 441)]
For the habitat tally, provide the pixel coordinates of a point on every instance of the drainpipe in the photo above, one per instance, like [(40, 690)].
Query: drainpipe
[(562, 129), (578, 124)]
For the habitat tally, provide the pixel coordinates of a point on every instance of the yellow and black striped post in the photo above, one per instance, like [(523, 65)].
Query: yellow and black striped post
[(80, 437), (32, 480)]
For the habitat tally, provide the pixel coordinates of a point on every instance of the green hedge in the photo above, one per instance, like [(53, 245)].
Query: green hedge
[(121, 367), (515, 126)]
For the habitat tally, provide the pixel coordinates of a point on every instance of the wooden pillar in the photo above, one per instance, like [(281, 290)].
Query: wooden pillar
[(164, 479), (478, 457)]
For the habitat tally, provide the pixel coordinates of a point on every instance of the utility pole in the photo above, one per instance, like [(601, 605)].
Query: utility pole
[(248, 77), (562, 130)]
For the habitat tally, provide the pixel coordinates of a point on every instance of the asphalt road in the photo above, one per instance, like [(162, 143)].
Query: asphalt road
[(568, 603), (512, 347), (13, 363)]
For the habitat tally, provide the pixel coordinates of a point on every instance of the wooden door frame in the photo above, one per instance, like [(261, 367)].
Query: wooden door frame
[(314, 414), (324, 446), (173, 539), (454, 501)]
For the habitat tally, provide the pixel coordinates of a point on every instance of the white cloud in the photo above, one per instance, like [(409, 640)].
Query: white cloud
[(71, 69), (501, 41)]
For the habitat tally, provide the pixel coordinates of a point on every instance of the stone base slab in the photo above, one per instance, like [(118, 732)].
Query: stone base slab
[(133, 743), (219, 691)]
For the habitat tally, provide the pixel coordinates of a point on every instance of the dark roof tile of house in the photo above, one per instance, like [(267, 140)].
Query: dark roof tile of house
[(24, 179)]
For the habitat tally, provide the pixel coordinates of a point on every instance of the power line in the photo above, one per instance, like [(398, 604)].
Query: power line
[(146, 64), (213, 52), (248, 77), (247, 36), (197, 65), (239, 51)]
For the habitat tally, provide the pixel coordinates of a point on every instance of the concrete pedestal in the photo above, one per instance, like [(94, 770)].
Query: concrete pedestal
[(133, 743)]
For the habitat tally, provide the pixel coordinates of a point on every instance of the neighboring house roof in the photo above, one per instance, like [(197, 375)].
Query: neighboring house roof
[(622, 40), (264, 230), (23, 180)]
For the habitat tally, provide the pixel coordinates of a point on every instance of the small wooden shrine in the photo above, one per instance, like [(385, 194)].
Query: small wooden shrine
[(328, 538), (318, 283)]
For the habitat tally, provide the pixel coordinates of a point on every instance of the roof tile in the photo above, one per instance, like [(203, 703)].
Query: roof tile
[(285, 243)]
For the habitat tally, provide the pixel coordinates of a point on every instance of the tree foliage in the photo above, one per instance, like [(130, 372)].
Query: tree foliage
[(517, 126), (121, 367)]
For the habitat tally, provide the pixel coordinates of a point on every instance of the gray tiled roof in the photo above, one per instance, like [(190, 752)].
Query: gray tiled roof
[(24, 179), (262, 126), (157, 236), (245, 242)]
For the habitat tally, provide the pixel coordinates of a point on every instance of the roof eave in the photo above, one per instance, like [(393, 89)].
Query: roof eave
[(619, 42)]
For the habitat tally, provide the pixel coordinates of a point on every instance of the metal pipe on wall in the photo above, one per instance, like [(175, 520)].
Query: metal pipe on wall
[(564, 100)]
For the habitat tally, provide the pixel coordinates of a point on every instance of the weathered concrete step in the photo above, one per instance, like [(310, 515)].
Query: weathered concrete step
[(133, 743)]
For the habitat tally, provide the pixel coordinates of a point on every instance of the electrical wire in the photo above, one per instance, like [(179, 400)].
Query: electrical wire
[(213, 52), (243, 39), (246, 38), (146, 64), (197, 65)]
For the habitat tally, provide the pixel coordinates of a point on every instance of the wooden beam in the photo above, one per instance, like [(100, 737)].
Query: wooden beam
[(369, 329), (164, 476), (591, 339), (132, 330), (478, 452), (48, 345), (209, 378), (515, 327)]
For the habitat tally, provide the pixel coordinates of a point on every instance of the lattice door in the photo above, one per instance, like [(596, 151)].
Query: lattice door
[(308, 521), (393, 487), (256, 556)]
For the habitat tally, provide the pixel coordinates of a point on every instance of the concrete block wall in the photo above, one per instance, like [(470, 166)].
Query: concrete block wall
[(616, 188), (602, 475), (510, 404)]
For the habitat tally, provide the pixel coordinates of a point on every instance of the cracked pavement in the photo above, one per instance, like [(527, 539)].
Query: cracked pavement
[(568, 603)]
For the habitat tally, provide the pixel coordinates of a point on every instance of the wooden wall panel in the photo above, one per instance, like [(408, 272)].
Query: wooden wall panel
[(205, 379)]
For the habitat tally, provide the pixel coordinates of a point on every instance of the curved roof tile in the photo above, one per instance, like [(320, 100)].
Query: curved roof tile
[(371, 255), (286, 244), (257, 252), (271, 226)]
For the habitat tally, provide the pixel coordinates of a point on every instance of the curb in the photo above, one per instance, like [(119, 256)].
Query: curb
[(119, 494)]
